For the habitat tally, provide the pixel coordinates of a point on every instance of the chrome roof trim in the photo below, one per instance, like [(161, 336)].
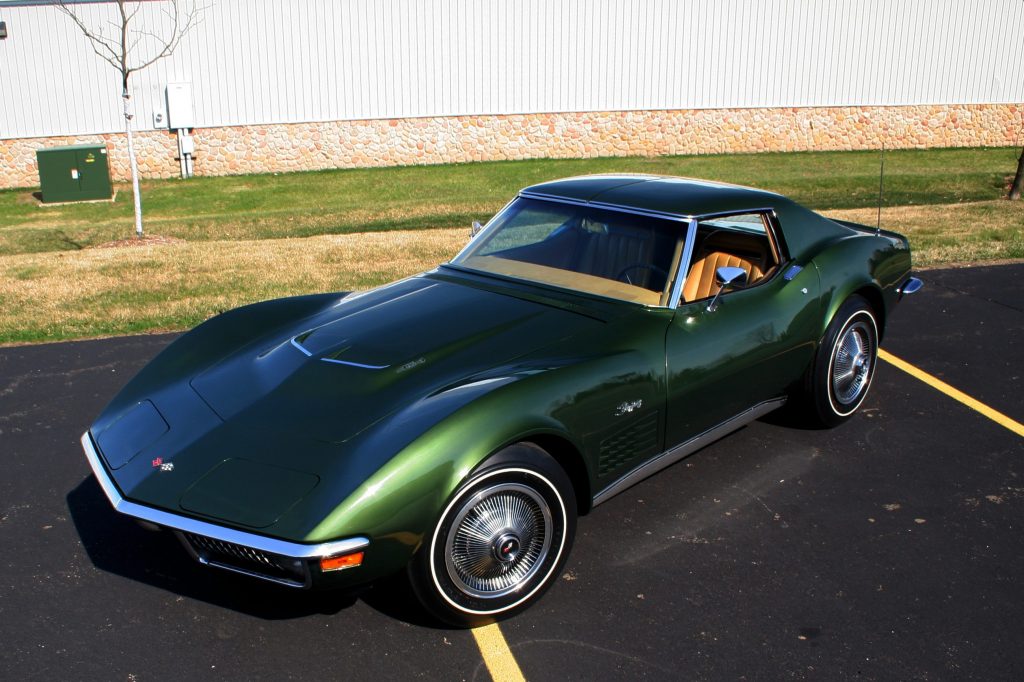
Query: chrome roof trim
[(677, 217), (667, 215), (551, 197), (294, 550)]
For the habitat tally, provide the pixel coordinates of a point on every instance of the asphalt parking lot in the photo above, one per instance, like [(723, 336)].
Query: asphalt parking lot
[(889, 548)]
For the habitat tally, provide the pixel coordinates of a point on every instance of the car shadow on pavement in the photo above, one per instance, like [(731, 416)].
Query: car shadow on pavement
[(117, 544)]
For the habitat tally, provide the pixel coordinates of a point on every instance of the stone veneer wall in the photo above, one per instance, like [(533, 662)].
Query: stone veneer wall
[(347, 144)]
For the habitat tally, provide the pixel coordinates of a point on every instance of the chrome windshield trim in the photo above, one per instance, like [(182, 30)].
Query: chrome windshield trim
[(691, 235), (294, 550), (682, 270), (483, 231)]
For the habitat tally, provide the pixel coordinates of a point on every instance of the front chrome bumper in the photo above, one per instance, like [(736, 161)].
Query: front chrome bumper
[(255, 555)]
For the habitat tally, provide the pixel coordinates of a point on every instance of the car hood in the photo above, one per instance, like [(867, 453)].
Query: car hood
[(256, 428), (334, 375)]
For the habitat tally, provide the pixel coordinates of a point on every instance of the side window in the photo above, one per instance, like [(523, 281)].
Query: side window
[(743, 240)]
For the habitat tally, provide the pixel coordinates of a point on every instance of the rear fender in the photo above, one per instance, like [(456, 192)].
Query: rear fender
[(868, 265)]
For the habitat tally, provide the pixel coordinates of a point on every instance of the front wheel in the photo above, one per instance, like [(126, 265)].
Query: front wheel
[(845, 363), (500, 542)]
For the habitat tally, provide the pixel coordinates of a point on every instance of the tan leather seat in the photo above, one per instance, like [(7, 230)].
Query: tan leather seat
[(700, 282), (609, 254)]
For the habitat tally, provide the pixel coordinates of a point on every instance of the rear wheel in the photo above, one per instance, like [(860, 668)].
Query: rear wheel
[(500, 542), (845, 364)]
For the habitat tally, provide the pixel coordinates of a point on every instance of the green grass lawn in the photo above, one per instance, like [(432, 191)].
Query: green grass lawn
[(248, 238), (414, 197)]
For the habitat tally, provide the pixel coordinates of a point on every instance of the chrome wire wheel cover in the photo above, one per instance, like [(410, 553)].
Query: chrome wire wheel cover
[(498, 540), (853, 362)]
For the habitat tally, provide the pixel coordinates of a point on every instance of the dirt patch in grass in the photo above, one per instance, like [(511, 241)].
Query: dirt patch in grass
[(165, 284), (146, 240), (177, 284), (953, 233)]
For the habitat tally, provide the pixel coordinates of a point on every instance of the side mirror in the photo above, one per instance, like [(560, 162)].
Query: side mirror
[(727, 278), (475, 229)]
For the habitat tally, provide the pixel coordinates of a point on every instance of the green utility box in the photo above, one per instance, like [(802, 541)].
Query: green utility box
[(76, 173)]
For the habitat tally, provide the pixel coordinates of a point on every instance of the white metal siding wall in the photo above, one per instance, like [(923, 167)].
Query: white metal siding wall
[(268, 61)]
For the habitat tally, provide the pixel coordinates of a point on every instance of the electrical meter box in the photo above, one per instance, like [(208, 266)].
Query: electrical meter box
[(180, 113), (76, 173)]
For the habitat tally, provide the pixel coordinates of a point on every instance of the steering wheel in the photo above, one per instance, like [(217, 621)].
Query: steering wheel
[(623, 275)]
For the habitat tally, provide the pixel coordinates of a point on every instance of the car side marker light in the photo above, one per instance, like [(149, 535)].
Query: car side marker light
[(341, 562)]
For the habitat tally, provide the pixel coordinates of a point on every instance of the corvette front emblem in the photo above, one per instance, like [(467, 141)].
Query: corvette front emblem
[(162, 465)]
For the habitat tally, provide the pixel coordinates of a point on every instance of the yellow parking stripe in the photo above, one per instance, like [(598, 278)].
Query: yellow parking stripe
[(960, 396), (497, 656)]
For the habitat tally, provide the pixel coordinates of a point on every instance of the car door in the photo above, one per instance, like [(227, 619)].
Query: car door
[(754, 342)]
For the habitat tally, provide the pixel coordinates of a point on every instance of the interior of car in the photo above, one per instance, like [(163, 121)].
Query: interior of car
[(622, 254), (738, 241), (611, 246)]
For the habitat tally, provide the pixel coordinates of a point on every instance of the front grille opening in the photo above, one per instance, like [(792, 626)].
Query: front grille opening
[(252, 562)]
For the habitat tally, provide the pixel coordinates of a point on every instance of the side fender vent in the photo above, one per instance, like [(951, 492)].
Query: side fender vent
[(638, 439)]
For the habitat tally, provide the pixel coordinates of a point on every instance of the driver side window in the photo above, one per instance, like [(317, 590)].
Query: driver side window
[(743, 240)]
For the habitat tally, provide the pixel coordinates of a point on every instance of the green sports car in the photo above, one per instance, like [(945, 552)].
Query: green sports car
[(454, 425)]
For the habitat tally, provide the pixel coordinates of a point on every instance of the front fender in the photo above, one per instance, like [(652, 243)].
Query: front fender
[(398, 505)]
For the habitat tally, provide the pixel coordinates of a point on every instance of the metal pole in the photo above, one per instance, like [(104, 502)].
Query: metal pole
[(881, 180), (181, 155), (134, 166)]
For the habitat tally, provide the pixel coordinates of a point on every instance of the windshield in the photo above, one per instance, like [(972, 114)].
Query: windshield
[(609, 253)]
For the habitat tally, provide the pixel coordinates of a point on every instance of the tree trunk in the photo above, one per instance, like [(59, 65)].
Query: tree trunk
[(1018, 180), (134, 165)]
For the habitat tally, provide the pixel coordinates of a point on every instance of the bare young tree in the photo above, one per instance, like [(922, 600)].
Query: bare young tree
[(1018, 180), (129, 49)]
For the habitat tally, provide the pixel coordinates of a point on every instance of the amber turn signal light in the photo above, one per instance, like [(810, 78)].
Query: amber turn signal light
[(338, 563)]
